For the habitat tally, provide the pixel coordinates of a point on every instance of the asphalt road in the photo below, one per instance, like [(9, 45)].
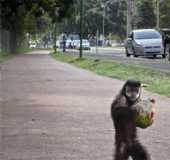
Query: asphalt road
[(118, 54), (53, 111)]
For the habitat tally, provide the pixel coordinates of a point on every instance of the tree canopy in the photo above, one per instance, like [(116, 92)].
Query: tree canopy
[(21, 16), (146, 17), (37, 16), (165, 14), (115, 14)]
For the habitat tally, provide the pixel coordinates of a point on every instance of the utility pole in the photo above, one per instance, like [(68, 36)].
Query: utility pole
[(130, 4), (103, 23), (0, 30), (55, 30), (104, 13), (55, 37), (104, 6), (157, 15), (97, 39), (81, 28)]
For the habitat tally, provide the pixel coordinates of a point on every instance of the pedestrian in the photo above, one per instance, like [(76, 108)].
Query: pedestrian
[(64, 43), (166, 41)]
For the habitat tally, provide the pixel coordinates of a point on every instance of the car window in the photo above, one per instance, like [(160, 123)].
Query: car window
[(147, 35)]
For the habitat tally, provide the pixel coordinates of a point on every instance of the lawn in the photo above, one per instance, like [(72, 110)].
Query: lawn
[(156, 81), (4, 56)]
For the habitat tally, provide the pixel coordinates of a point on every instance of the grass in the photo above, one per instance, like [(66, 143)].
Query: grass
[(4, 56), (156, 81), (24, 50)]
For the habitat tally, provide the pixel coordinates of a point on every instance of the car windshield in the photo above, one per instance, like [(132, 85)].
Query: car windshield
[(147, 35)]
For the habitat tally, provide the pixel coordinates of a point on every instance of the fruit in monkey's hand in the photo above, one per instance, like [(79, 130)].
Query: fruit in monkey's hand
[(145, 112)]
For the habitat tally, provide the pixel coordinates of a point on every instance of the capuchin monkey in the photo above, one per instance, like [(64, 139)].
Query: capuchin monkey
[(122, 113)]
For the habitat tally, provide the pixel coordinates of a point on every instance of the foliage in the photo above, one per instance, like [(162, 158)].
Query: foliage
[(36, 17), (57, 9), (113, 12), (146, 17), (35, 25), (22, 16), (115, 17), (165, 14)]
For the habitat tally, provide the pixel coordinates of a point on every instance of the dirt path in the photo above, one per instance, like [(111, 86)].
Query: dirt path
[(53, 111)]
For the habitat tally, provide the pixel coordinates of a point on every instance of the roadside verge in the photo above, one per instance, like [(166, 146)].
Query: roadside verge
[(156, 81), (4, 55)]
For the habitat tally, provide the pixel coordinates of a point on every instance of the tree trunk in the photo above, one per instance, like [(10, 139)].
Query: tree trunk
[(5, 41), (0, 28), (13, 41)]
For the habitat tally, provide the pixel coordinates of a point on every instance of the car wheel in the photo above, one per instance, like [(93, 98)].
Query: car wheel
[(127, 53), (154, 56), (164, 56), (134, 53)]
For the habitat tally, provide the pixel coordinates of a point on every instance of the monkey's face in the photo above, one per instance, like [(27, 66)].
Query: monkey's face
[(133, 93)]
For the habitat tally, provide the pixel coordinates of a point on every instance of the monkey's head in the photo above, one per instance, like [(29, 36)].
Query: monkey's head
[(132, 90)]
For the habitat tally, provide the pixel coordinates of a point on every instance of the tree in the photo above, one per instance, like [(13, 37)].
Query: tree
[(165, 14), (36, 25), (14, 13), (115, 18), (146, 17)]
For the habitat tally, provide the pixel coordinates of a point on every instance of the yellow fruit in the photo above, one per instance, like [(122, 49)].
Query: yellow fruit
[(143, 120), (146, 111)]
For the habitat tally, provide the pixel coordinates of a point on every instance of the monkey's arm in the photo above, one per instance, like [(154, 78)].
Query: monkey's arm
[(121, 108), (124, 112), (123, 118)]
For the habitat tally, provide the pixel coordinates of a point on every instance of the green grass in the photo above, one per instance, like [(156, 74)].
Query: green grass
[(24, 50), (4, 56), (156, 81)]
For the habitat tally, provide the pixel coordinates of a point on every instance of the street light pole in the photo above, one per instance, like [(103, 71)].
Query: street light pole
[(81, 28), (0, 29), (55, 30), (104, 13), (97, 39), (157, 15), (129, 16), (55, 37)]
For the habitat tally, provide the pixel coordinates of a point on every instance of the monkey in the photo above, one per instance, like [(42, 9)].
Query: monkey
[(122, 113)]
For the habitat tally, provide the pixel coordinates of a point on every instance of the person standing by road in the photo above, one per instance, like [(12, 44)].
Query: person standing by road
[(166, 41), (64, 43)]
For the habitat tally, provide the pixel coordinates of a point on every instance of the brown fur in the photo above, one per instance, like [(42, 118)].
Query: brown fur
[(126, 141)]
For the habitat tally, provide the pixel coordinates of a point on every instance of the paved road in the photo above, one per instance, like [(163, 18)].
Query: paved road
[(53, 111), (118, 54)]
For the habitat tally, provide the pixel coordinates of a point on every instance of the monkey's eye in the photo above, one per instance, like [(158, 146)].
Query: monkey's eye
[(132, 92), (132, 89)]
